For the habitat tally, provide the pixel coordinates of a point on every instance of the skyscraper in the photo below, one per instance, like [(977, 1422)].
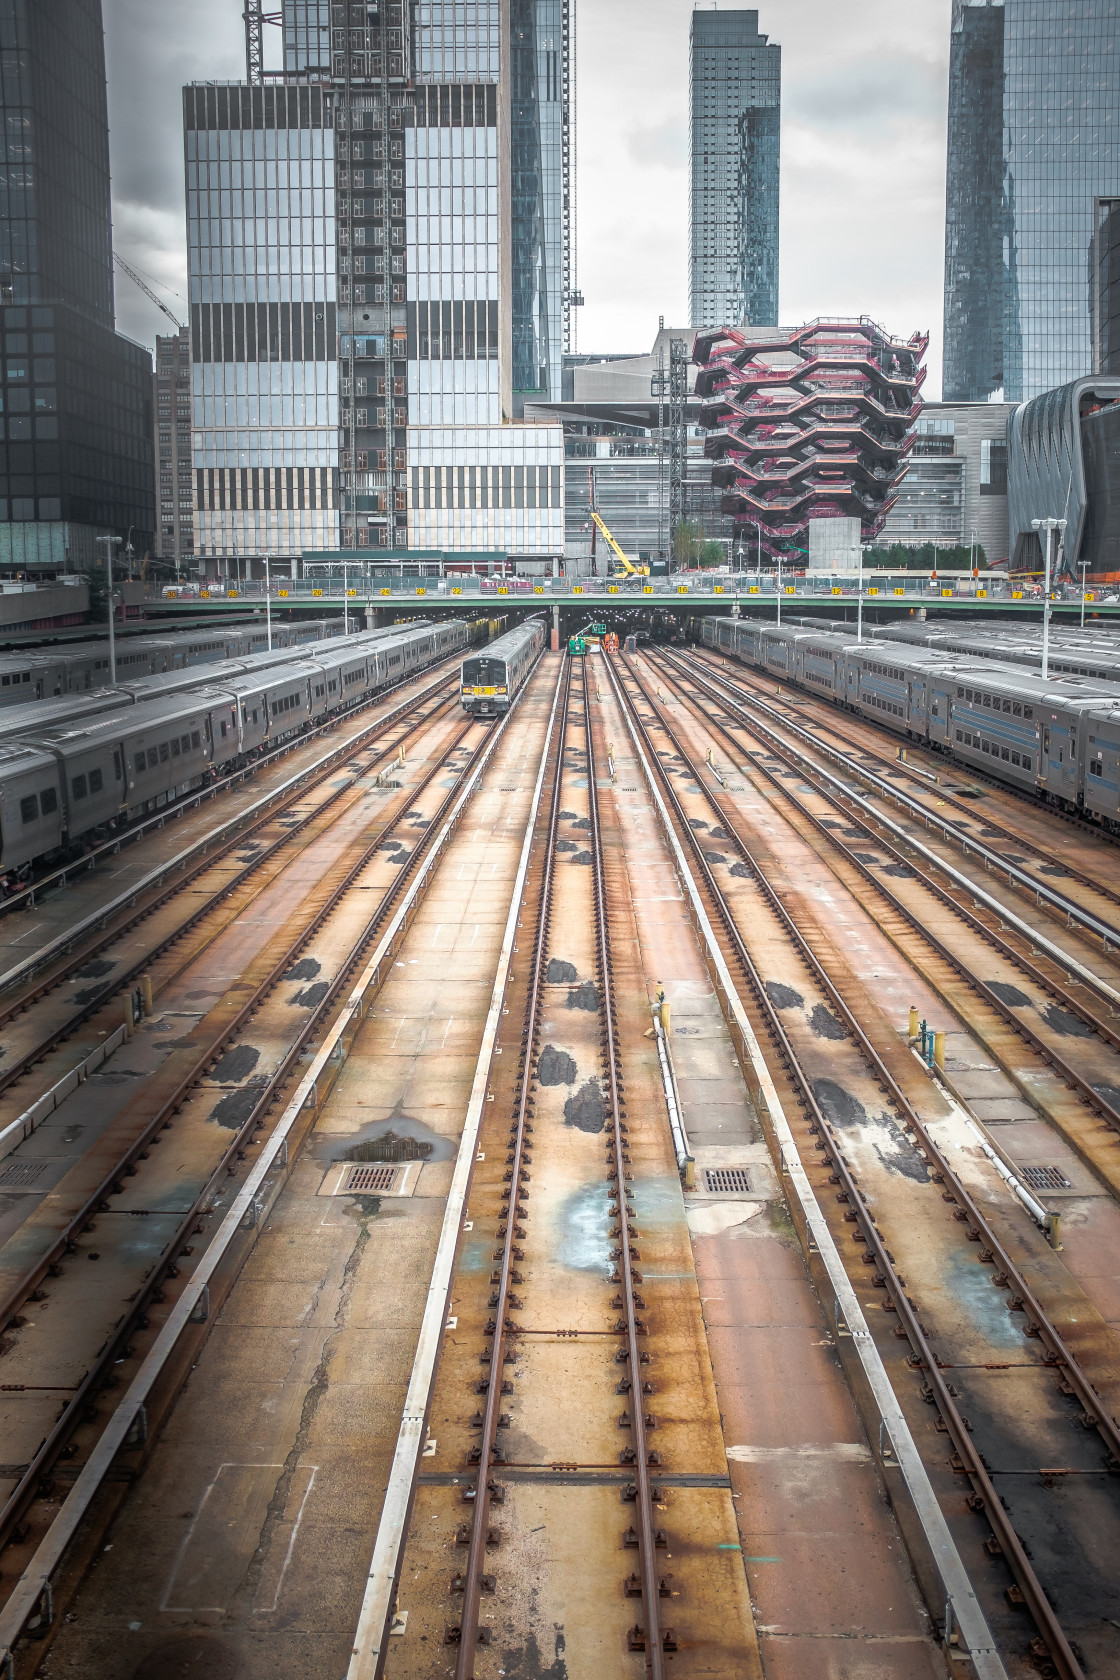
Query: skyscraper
[(419, 159), (76, 455), (735, 94), (1034, 145)]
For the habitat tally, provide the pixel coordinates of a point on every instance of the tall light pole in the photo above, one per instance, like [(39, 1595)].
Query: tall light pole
[(345, 597), (1049, 526), (110, 542), (779, 587), (1083, 566), (859, 598), (268, 599)]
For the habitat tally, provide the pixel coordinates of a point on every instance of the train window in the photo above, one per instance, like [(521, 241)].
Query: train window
[(29, 807), (164, 752), (1028, 712), (48, 799), (1026, 761), (139, 761), (96, 781), (79, 787), (959, 736), (1017, 709), (176, 749), (1007, 705), (185, 743), (1005, 752), (153, 757), (1096, 768), (223, 727), (196, 738)]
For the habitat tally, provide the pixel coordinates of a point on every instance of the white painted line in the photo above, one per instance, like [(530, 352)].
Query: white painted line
[(388, 1548), (969, 1616)]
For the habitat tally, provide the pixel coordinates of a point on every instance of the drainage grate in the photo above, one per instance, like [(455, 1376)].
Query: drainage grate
[(726, 1181), (22, 1175), (1043, 1178), (367, 1181)]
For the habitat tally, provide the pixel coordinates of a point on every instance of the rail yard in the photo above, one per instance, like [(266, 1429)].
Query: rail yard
[(542, 1165)]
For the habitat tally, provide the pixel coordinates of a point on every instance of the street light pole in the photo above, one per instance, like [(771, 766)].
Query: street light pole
[(1084, 567), (268, 599), (1049, 526), (109, 544), (779, 587), (345, 598), (859, 598)]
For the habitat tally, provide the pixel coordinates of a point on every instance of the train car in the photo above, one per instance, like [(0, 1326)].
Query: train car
[(492, 678)]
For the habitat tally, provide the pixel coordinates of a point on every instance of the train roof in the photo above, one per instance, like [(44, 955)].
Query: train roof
[(89, 731), (509, 642)]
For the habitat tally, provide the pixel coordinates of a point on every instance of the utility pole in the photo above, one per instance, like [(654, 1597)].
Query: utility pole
[(1049, 526), (110, 543), (268, 599), (1083, 566)]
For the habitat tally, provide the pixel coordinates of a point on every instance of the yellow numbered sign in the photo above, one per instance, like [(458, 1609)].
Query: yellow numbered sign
[(647, 589), (500, 591), (790, 588), (835, 591), (717, 589), (316, 592), (232, 593), (900, 591), (538, 589), (873, 592), (1016, 594), (456, 590), (205, 594), (351, 592), (577, 589), (754, 589), (386, 592), (612, 589), (981, 592), (421, 592), (682, 589), (946, 592), (283, 594)]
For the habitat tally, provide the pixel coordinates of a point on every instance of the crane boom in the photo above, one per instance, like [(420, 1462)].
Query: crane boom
[(147, 290), (625, 564)]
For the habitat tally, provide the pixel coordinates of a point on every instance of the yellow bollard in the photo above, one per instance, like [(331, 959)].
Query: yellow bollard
[(914, 1027), (146, 1001), (939, 1050), (689, 1173)]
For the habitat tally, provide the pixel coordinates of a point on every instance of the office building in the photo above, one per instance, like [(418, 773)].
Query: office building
[(1034, 147), (171, 405), (1105, 281), (1061, 464), (385, 332), (735, 89), (76, 455), (954, 493), (810, 423)]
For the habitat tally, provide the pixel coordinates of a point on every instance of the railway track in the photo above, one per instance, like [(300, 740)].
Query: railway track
[(1094, 918), (197, 894), (62, 1370), (1095, 1077), (880, 1203), (859, 738)]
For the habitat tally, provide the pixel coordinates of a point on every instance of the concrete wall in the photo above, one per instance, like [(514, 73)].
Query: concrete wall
[(42, 606)]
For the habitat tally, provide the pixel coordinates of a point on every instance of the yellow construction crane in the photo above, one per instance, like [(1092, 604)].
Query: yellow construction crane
[(625, 565)]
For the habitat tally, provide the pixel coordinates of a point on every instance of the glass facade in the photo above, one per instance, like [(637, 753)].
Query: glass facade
[(538, 139), (75, 399), (1061, 463), (1020, 317), (1106, 288), (735, 109), (174, 457), (260, 237)]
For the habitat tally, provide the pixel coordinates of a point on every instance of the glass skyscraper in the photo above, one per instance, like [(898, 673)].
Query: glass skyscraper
[(1034, 146), (418, 153), (75, 397), (735, 112)]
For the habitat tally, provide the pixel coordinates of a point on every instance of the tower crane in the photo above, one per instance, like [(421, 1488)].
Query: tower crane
[(147, 291)]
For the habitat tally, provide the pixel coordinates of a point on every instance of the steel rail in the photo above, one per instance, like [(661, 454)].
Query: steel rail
[(651, 1586), (946, 794), (480, 1517), (25, 1491), (1060, 1354), (18, 1068), (962, 1605), (1088, 1093), (29, 1589), (1054, 899), (62, 943), (1033, 1593)]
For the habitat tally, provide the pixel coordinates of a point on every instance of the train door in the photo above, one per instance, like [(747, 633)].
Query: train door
[(1059, 757)]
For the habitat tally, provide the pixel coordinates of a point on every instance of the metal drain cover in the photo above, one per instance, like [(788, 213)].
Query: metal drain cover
[(1044, 1178), (727, 1181), (371, 1178), (23, 1175)]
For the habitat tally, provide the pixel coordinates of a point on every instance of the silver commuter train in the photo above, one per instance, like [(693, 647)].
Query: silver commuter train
[(1058, 739), (491, 678), (69, 782)]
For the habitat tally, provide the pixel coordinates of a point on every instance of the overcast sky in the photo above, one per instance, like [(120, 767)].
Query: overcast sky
[(863, 156)]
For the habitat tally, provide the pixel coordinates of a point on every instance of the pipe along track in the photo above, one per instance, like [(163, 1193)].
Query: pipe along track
[(17, 1518), (173, 878), (1055, 1646), (650, 1637), (831, 717), (903, 852), (1047, 896)]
